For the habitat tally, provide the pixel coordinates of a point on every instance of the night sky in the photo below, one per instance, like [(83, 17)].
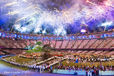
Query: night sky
[(59, 17)]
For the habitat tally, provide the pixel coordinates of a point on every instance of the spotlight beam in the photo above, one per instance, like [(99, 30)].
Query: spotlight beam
[(13, 12), (26, 16), (17, 11), (88, 1), (10, 4)]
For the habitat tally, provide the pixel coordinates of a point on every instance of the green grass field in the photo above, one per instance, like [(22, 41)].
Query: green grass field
[(22, 60)]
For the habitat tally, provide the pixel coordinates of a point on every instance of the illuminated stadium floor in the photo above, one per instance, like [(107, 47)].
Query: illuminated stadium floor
[(9, 70), (43, 74)]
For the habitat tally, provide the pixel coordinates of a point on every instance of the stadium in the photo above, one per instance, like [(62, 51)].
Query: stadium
[(56, 38)]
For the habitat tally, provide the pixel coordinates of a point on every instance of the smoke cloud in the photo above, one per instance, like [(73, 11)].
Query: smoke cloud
[(55, 16)]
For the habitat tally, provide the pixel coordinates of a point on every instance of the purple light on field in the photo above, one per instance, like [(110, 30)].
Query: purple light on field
[(83, 30)]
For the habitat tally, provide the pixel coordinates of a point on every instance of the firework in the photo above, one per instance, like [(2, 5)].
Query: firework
[(32, 15)]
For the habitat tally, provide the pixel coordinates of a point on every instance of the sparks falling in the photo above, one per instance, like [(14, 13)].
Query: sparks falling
[(42, 15)]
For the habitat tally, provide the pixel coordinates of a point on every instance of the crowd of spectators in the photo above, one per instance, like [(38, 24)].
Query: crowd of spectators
[(103, 68), (57, 62), (91, 58)]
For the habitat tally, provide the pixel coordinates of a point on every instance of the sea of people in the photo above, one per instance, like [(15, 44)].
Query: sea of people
[(69, 61)]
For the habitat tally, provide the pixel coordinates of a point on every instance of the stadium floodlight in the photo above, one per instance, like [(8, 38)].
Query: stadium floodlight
[(83, 30), (107, 24)]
